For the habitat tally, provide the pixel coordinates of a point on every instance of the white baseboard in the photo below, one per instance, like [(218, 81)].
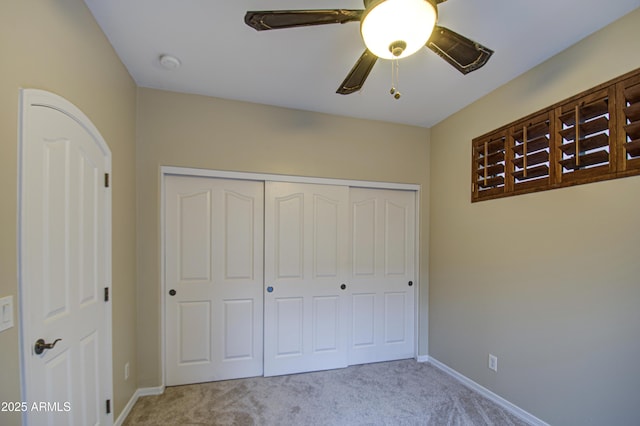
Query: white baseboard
[(512, 408), (158, 390), (422, 358)]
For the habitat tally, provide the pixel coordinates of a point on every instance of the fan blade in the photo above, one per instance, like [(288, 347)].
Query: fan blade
[(358, 74), (465, 55), (273, 20)]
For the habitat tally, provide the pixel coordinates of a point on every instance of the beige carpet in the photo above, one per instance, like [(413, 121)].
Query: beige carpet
[(390, 393)]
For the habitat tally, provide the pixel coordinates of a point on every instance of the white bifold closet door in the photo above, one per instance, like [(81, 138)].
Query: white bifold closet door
[(306, 263), (213, 279), (382, 275)]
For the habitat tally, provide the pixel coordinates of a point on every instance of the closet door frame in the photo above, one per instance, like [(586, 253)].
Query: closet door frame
[(166, 171)]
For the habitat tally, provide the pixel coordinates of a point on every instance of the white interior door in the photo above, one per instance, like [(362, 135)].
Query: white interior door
[(213, 279), (306, 249), (382, 277), (65, 264)]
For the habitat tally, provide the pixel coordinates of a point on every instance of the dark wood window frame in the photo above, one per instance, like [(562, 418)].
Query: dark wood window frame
[(590, 137)]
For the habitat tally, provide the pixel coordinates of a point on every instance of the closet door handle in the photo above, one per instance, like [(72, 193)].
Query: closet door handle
[(343, 286), (269, 289)]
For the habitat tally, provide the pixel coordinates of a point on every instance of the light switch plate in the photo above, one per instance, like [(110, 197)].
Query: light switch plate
[(6, 313), (493, 362)]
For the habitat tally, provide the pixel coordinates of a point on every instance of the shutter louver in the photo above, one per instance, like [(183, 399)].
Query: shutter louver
[(629, 123), (530, 152), (584, 135), (489, 165)]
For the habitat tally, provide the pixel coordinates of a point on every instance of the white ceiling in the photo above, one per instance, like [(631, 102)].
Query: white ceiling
[(301, 68)]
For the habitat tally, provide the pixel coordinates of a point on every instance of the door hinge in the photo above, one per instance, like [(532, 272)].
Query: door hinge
[(108, 406), (106, 180), (106, 294)]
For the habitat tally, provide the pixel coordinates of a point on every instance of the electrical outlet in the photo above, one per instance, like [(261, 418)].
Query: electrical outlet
[(6, 313), (126, 371), (493, 363)]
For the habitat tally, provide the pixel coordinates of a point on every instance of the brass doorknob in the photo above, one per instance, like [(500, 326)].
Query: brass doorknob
[(40, 345)]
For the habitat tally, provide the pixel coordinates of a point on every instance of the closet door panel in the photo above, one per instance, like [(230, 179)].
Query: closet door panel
[(383, 258), (306, 248), (213, 279)]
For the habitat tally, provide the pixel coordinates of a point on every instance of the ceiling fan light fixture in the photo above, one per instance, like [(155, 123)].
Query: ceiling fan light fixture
[(392, 21)]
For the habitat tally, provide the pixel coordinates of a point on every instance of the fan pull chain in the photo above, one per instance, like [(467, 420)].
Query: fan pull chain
[(394, 79)]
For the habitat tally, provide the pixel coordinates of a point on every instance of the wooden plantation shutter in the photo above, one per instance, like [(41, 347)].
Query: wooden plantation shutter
[(585, 136), (530, 153), (489, 165), (589, 137), (628, 93)]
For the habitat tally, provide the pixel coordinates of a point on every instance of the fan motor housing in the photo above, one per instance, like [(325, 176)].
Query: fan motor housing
[(372, 3)]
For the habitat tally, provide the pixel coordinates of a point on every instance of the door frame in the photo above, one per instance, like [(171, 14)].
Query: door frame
[(166, 171), (40, 98)]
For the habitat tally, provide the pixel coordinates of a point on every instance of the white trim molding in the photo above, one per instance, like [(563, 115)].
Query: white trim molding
[(187, 171), (158, 390), (512, 408)]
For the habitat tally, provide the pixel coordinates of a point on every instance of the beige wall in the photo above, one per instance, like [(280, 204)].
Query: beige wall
[(196, 131), (57, 46), (567, 335), (548, 282)]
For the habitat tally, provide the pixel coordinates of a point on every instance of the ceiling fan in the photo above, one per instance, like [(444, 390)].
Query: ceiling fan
[(391, 29)]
